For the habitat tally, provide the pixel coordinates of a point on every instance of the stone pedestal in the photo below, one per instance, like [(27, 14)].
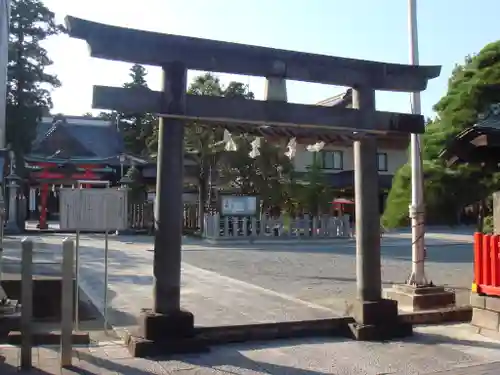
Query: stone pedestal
[(414, 298), (486, 314), (164, 334), (377, 321)]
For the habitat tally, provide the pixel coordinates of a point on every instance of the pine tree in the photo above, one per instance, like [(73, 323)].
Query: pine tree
[(137, 128), (28, 86)]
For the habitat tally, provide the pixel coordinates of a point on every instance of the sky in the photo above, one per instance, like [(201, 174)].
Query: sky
[(365, 29)]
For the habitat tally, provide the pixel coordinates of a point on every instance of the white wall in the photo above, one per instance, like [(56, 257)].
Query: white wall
[(395, 159)]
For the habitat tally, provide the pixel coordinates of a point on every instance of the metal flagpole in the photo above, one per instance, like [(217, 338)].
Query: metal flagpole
[(417, 276), (4, 60)]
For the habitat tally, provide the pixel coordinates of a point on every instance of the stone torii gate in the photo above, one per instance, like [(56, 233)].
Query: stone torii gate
[(167, 323)]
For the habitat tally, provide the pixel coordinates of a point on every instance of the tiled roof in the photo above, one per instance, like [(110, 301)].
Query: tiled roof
[(478, 144), (78, 138)]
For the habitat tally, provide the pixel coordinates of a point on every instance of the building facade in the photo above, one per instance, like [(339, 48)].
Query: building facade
[(336, 158)]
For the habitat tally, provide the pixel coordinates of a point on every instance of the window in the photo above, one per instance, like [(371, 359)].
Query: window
[(331, 160), (382, 162)]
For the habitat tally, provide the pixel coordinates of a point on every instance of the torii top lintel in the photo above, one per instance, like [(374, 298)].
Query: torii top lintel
[(151, 48)]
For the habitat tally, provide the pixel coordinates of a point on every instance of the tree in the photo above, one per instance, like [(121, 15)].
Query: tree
[(28, 83), (204, 142), (137, 128), (447, 190), (265, 175), (315, 195)]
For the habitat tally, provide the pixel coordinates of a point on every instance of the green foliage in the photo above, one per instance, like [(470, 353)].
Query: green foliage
[(137, 128), (265, 175), (447, 190), (488, 225), (28, 83), (315, 195)]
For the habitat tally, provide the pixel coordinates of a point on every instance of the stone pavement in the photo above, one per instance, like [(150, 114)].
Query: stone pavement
[(218, 299), (214, 299), (322, 274), (433, 350)]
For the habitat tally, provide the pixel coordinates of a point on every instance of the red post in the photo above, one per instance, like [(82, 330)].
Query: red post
[(44, 192), (478, 256), (486, 258), (495, 276)]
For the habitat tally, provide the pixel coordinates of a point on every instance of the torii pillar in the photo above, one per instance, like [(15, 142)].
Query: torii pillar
[(167, 321), (376, 318)]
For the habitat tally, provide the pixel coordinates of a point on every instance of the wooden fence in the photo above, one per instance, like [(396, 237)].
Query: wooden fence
[(141, 216)]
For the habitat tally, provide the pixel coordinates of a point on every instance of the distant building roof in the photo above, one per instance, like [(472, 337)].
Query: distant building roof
[(77, 137), (341, 100), (478, 144), (80, 139)]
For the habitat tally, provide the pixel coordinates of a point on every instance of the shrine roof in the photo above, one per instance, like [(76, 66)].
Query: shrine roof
[(478, 144), (77, 138), (80, 140)]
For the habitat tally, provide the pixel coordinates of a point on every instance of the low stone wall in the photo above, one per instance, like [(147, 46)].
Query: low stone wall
[(486, 314)]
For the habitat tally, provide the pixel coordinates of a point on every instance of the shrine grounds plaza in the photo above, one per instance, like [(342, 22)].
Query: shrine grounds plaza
[(240, 284)]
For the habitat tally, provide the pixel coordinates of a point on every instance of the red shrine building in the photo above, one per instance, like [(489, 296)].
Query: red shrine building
[(73, 152)]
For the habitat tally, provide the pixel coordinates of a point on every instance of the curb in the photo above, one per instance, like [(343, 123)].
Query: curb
[(202, 338), (461, 314)]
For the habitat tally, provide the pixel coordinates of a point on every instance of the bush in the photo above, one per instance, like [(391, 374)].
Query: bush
[(488, 225)]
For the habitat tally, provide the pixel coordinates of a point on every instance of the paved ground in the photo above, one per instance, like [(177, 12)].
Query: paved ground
[(433, 350), (245, 284), (322, 274), (325, 274)]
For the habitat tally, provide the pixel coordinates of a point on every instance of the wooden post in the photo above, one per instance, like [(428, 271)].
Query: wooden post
[(26, 303), (67, 303)]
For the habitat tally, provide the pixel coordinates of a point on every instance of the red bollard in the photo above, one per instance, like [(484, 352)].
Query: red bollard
[(486, 260), (495, 277), (478, 256)]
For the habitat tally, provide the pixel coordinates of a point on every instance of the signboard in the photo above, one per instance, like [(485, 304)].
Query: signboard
[(238, 205)]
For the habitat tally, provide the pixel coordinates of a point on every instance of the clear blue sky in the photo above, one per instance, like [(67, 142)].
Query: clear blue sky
[(366, 29)]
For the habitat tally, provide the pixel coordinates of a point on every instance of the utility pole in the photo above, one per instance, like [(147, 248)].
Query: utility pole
[(4, 60), (418, 293), (417, 208)]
